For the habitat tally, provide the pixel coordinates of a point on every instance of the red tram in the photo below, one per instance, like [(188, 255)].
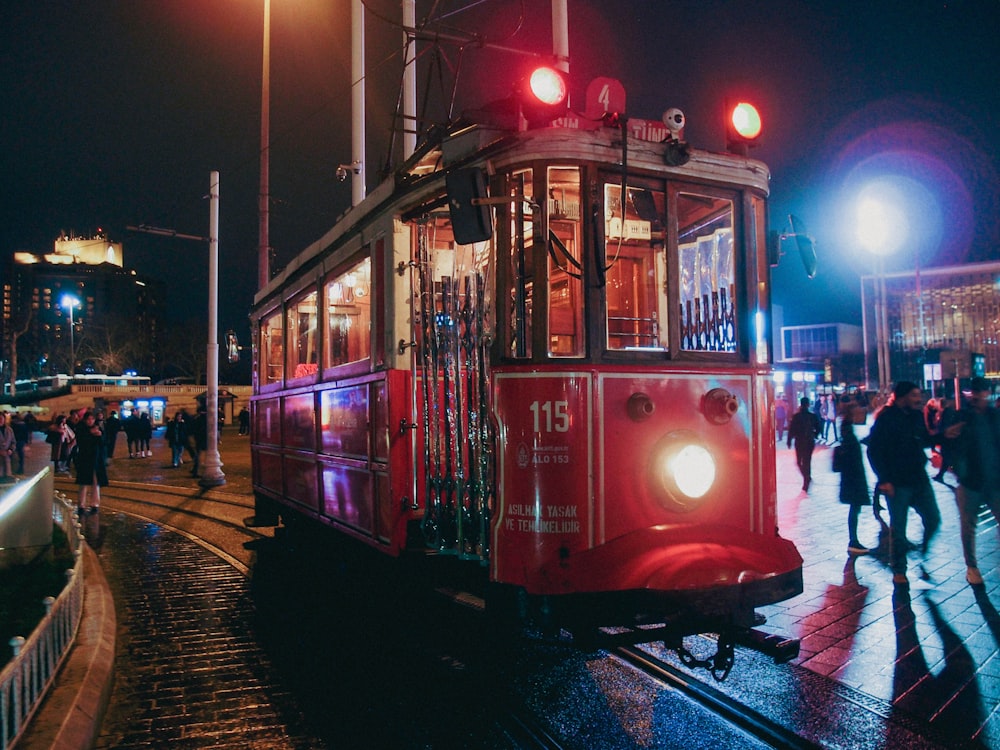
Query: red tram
[(542, 349)]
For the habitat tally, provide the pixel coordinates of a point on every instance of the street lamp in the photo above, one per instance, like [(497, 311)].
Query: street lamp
[(882, 229), (70, 303)]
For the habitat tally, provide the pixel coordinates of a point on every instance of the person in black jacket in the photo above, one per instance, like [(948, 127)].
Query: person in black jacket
[(804, 429), (896, 451), (976, 461), (854, 491)]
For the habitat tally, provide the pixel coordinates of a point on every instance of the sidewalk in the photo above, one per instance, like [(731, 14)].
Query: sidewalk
[(930, 651)]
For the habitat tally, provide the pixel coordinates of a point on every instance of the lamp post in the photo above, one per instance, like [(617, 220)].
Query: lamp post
[(70, 302), (882, 230), (263, 205)]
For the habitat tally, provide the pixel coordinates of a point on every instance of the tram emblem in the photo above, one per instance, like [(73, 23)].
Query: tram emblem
[(523, 456)]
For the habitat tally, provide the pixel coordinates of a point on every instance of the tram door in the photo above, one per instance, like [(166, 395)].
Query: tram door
[(453, 329)]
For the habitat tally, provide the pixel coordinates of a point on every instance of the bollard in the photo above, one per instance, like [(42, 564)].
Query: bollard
[(48, 602), (16, 643)]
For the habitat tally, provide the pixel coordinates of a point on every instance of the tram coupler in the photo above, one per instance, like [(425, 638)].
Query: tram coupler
[(781, 649)]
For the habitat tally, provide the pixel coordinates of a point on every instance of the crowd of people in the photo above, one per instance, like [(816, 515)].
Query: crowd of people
[(84, 442), (908, 432)]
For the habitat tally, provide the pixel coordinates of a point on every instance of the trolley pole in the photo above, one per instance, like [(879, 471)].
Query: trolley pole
[(211, 475)]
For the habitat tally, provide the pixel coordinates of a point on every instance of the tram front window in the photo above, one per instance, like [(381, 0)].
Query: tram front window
[(565, 320), (635, 269), (707, 273), (272, 347)]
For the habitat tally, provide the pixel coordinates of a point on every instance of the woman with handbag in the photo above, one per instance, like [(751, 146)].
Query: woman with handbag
[(847, 460)]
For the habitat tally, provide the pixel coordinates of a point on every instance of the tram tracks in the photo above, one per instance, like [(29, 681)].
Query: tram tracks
[(212, 520), (732, 711)]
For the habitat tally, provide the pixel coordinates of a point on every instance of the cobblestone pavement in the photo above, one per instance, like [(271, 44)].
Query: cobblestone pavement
[(189, 671), (931, 650)]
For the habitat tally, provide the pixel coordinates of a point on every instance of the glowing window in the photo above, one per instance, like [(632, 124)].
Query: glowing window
[(348, 298)]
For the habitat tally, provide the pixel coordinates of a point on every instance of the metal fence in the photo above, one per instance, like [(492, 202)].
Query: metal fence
[(26, 678)]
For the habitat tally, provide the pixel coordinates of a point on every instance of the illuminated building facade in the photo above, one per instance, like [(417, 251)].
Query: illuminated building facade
[(117, 320), (937, 320)]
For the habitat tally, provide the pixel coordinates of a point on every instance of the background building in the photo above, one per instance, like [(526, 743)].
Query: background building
[(117, 317), (937, 320)]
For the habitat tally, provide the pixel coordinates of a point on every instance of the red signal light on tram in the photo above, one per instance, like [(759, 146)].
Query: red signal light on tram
[(543, 95), (743, 127)]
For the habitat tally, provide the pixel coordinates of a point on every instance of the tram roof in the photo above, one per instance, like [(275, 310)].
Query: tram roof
[(476, 145)]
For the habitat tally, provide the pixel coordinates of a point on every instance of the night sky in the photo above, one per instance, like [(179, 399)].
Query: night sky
[(116, 111)]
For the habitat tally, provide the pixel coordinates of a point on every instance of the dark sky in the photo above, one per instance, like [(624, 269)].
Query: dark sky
[(116, 111)]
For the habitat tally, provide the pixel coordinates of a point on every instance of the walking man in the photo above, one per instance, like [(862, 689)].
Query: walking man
[(976, 460), (804, 429), (896, 448)]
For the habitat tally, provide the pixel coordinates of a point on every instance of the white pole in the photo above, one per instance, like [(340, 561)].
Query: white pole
[(212, 475), (560, 34), (409, 81), (264, 199), (358, 101)]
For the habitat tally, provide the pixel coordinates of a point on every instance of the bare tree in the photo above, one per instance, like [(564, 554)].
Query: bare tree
[(24, 316), (183, 353)]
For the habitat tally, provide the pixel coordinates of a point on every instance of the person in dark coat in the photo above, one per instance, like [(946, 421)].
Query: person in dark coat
[(90, 470), (176, 436), (197, 440), (896, 451), (145, 434), (803, 430), (22, 435), (131, 428), (854, 491), (112, 426), (976, 460)]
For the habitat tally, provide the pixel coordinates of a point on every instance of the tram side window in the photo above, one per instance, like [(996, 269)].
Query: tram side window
[(348, 315), (635, 269), (522, 283), (272, 349), (565, 319), (302, 318), (707, 273)]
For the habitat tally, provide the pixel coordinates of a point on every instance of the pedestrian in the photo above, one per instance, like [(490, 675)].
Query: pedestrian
[(780, 417), (7, 444), (245, 421), (176, 436), (54, 437), (830, 418), (22, 436), (896, 451), (197, 440), (145, 434), (31, 422), (803, 430), (131, 429), (112, 426), (947, 416), (847, 460), (976, 456), (67, 446), (91, 474)]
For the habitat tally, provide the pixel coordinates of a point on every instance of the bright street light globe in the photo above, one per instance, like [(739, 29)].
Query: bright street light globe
[(881, 225)]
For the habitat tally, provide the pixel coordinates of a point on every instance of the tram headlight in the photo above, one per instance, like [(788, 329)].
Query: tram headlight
[(683, 470)]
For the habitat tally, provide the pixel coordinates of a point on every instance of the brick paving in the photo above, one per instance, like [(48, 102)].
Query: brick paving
[(189, 670), (931, 651)]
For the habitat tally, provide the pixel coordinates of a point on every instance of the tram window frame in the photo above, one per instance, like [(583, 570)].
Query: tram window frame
[(342, 271), (302, 327), (663, 320), (517, 275), (271, 362), (741, 313), (565, 277)]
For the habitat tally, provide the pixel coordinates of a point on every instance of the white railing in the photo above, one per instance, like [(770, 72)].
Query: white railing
[(26, 678)]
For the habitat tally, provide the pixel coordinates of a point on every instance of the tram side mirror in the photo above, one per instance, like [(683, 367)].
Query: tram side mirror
[(232, 347), (805, 245), (471, 222)]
